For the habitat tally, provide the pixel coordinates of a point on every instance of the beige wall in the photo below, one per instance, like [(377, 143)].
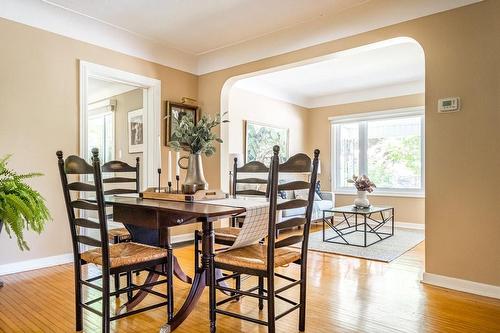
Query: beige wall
[(462, 149), (39, 109), (245, 105), (39, 115), (408, 210)]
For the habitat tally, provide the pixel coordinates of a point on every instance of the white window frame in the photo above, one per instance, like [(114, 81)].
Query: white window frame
[(363, 118), (102, 113)]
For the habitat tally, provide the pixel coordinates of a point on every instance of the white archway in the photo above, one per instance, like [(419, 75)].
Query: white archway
[(228, 85)]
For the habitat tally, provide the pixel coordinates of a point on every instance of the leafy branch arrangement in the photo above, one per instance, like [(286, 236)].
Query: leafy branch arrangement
[(197, 138), (362, 183), (21, 207)]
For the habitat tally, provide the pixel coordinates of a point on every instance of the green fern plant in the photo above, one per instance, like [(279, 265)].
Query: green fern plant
[(21, 207)]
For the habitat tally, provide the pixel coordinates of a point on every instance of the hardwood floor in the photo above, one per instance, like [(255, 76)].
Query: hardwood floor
[(344, 295)]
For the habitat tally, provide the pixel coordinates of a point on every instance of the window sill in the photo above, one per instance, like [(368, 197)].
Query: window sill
[(384, 194)]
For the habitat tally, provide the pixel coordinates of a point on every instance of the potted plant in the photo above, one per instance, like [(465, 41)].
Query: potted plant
[(364, 186), (197, 139), (21, 207)]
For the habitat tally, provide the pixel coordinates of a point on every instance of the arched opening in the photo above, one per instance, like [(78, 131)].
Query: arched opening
[(379, 87)]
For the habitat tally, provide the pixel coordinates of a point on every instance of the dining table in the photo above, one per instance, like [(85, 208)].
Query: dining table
[(163, 215)]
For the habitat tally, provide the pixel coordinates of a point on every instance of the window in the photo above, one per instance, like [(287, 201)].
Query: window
[(387, 146), (101, 134)]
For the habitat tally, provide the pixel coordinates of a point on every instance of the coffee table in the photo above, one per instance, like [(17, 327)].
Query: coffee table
[(367, 221)]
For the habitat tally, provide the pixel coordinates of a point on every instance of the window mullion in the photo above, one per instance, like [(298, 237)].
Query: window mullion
[(363, 147)]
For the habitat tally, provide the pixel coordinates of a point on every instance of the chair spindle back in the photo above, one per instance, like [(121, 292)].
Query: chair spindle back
[(297, 163), (74, 165), (122, 167), (253, 167)]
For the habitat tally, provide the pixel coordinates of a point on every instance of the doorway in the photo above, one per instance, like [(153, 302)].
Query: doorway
[(119, 113)]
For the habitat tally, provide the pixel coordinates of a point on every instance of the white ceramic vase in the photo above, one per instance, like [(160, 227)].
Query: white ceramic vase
[(362, 200)]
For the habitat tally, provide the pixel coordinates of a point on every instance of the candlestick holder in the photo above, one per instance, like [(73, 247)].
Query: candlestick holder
[(177, 183), (169, 187), (159, 181)]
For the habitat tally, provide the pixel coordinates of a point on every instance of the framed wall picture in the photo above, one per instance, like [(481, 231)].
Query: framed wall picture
[(175, 112), (136, 131), (260, 140)]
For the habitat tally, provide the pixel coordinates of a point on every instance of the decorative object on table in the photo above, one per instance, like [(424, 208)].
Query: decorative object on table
[(200, 195), (176, 112), (260, 140), (177, 178), (364, 186), (21, 207), (136, 131), (159, 180), (197, 139)]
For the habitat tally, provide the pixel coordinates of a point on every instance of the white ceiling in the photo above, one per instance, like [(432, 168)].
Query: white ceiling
[(198, 26), (201, 36), (98, 90), (380, 70)]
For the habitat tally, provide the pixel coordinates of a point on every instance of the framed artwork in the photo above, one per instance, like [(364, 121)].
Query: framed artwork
[(175, 112), (136, 131), (260, 139)]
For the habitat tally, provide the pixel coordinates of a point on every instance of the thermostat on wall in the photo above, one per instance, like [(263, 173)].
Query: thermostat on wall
[(449, 104)]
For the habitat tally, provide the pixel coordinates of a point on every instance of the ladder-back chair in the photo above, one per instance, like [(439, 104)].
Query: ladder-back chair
[(261, 260), (132, 175), (121, 234), (112, 258)]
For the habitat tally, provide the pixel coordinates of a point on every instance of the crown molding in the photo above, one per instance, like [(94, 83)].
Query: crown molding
[(371, 15), (363, 18), (368, 94), (46, 16)]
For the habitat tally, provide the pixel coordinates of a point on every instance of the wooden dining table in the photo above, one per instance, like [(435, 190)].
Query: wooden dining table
[(162, 216)]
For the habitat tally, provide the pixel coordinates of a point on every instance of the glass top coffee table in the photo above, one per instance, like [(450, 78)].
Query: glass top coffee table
[(359, 226)]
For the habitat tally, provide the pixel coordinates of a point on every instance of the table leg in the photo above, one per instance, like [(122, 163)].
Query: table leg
[(179, 273), (324, 226), (365, 228), (392, 227), (200, 280)]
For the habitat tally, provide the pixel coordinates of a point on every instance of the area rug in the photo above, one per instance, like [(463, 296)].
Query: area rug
[(386, 250)]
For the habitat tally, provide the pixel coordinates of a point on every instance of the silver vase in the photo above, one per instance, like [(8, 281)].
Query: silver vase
[(195, 179)]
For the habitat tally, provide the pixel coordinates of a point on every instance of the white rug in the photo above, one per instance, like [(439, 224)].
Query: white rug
[(386, 250)]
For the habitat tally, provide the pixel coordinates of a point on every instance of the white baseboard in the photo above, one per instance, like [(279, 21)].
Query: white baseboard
[(466, 286), (406, 225), (28, 265), (182, 238)]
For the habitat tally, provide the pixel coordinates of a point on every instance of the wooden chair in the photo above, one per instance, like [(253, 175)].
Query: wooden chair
[(112, 258), (121, 234), (297, 164), (261, 260), (227, 235)]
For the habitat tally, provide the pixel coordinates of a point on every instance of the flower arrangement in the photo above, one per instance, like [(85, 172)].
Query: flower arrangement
[(196, 138), (362, 183)]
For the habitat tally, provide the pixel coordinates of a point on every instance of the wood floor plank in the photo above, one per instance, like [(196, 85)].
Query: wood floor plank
[(344, 295)]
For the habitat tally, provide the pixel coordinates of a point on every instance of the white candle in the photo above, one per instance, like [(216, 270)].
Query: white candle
[(177, 168), (169, 170), (159, 151)]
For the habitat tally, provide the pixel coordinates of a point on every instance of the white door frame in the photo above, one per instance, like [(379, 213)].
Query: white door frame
[(152, 111)]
